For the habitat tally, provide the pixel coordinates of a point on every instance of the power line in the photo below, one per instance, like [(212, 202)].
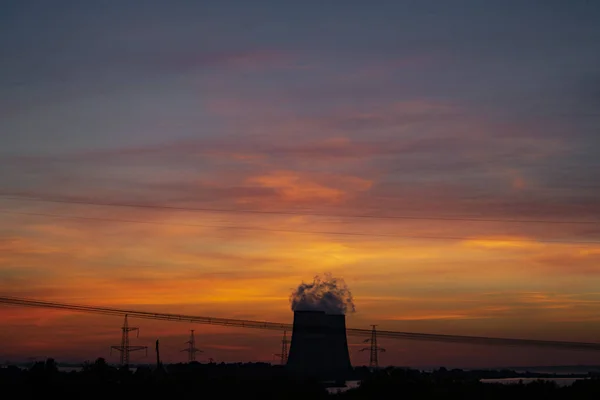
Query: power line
[(296, 213), (264, 325), (333, 233)]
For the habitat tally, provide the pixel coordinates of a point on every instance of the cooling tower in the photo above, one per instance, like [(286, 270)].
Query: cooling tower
[(319, 346)]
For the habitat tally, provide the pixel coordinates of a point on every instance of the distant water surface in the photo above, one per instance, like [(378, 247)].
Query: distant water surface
[(514, 381), (349, 385)]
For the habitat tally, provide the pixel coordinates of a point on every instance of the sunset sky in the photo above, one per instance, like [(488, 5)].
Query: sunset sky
[(441, 157)]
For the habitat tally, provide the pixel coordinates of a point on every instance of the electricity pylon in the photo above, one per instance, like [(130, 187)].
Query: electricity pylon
[(192, 350), (283, 356), (374, 349), (125, 348)]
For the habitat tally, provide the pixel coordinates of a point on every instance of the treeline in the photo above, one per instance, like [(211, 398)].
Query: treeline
[(264, 381)]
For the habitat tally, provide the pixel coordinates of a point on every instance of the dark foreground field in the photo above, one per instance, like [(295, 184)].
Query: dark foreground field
[(263, 381)]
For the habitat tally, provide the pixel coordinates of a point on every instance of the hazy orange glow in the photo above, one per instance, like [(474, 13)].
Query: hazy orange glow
[(481, 286)]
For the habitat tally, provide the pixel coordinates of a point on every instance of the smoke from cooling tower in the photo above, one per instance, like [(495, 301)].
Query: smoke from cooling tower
[(326, 293)]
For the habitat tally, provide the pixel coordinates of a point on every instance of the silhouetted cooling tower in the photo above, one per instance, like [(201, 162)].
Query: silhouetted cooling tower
[(319, 346)]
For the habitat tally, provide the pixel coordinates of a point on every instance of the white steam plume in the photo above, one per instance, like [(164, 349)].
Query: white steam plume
[(325, 293)]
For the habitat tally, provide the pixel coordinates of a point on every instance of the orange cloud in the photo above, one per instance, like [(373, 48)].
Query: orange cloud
[(503, 242), (293, 188), (300, 188), (428, 317), (23, 245), (569, 260)]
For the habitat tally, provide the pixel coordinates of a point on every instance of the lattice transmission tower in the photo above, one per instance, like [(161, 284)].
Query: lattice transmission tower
[(191, 349), (125, 348), (374, 349), (283, 356)]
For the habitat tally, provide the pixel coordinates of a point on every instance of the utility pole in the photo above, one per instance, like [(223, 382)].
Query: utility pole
[(192, 350), (125, 348), (374, 349), (283, 356), (157, 356)]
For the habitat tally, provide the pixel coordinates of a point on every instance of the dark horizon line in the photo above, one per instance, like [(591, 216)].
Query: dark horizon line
[(528, 368)]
